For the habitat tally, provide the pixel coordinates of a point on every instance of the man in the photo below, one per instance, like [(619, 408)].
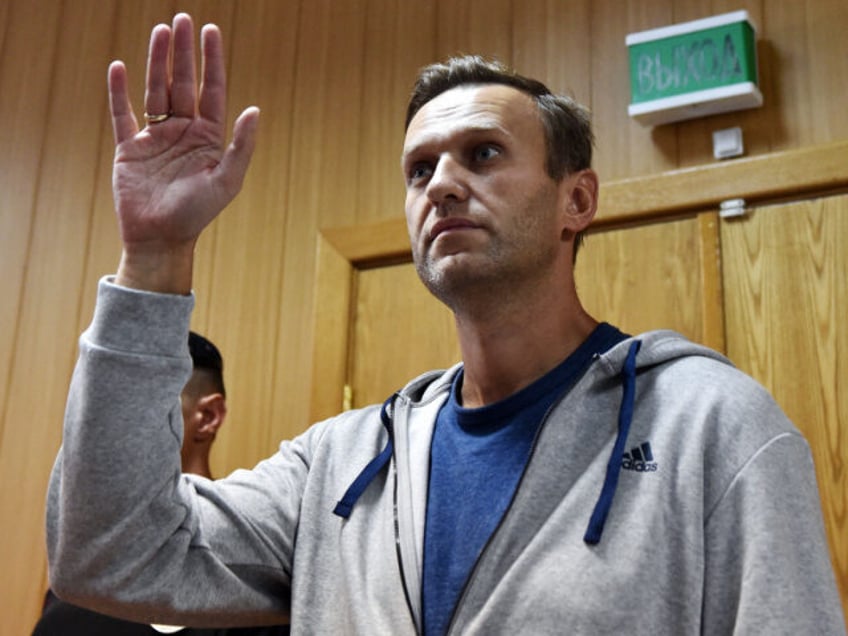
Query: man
[(204, 409), (565, 478)]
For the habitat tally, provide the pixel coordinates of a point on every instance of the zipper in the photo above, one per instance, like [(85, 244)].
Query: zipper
[(396, 521), (398, 551)]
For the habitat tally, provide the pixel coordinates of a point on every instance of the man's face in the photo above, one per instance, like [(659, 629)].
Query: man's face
[(481, 208)]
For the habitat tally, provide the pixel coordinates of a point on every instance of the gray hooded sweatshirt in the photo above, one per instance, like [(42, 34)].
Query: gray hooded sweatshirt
[(670, 497)]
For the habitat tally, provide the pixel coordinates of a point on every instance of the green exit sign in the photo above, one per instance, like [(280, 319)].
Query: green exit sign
[(693, 69)]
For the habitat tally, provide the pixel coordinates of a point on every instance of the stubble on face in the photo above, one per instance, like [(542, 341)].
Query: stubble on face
[(513, 201), (514, 253)]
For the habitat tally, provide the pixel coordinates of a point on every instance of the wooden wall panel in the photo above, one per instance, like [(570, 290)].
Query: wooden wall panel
[(552, 41), (323, 184), (25, 87), (827, 66), (398, 41), (785, 66), (45, 337), (810, 74), (659, 285), (479, 27), (624, 148), (4, 22)]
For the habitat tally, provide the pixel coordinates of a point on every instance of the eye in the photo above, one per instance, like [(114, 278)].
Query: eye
[(486, 152), (418, 171)]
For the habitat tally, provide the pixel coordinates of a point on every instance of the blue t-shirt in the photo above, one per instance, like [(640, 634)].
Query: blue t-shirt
[(477, 457)]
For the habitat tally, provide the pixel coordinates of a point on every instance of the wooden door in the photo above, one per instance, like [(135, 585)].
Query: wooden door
[(655, 275), (786, 294), (399, 330), (652, 276)]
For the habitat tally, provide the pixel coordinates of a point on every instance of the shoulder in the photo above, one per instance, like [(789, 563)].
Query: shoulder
[(716, 391), (717, 420), (676, 374)]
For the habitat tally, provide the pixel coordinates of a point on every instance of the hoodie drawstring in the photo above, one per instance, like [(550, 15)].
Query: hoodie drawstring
[(602, 507), (625, 415), (354, 492)]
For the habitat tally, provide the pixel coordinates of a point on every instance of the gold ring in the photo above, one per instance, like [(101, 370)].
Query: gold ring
[(155, 119)]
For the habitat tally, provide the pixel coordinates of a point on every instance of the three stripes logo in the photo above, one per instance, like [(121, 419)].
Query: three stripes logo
[(640, 459)]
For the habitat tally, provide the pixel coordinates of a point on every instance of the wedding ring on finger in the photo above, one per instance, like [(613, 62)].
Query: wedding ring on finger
[(156, 119)]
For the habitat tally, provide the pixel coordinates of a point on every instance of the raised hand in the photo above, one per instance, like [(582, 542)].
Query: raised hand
[(174, 176)]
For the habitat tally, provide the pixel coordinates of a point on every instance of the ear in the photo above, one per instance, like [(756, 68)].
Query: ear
[(213, 410), (580, 201)]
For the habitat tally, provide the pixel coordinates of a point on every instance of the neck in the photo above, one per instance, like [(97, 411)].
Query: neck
[(511, 343), (197, 464)]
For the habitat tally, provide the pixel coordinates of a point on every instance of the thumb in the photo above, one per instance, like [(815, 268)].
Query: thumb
[(233, 165)]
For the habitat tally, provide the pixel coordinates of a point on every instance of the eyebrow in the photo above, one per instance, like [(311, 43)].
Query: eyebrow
[(475, 129)]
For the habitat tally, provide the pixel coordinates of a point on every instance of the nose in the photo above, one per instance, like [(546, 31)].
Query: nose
[(448, 181)]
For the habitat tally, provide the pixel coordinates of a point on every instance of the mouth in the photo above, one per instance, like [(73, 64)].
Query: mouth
[(453, 224)]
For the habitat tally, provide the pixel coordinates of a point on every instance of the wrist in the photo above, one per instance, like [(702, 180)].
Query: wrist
[(165, 270)]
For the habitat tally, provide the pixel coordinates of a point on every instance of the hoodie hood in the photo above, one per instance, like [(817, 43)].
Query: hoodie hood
[(622, 363), (658, 347)]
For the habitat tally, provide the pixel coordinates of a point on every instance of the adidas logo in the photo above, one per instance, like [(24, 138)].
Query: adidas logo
[(640, 459)]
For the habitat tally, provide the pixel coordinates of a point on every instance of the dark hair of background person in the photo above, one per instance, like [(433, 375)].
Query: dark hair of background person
[(206, 357)]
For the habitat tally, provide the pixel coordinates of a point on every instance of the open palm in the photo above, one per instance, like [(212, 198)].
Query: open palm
[(174, 176)]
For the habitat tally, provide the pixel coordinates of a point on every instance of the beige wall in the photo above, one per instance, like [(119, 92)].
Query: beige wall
[(331, 77)]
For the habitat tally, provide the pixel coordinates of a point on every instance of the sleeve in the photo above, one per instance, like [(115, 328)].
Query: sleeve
[(127, 534), (767, 568)]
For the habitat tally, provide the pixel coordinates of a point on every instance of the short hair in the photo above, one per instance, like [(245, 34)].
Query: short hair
[(205, 355), (567, 124)]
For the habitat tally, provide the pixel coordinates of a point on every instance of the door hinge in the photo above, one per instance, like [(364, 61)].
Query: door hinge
[(347, 397), (732, 208)]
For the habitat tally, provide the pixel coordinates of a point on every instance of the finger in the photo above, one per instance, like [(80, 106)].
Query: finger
[(156, 98), (233, 165), (124, 124), (183, 82), (213, 87)]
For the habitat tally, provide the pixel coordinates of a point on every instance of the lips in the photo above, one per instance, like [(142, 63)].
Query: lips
[(452, 223)]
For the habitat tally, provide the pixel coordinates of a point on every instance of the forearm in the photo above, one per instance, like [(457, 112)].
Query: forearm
[(121, 441)]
